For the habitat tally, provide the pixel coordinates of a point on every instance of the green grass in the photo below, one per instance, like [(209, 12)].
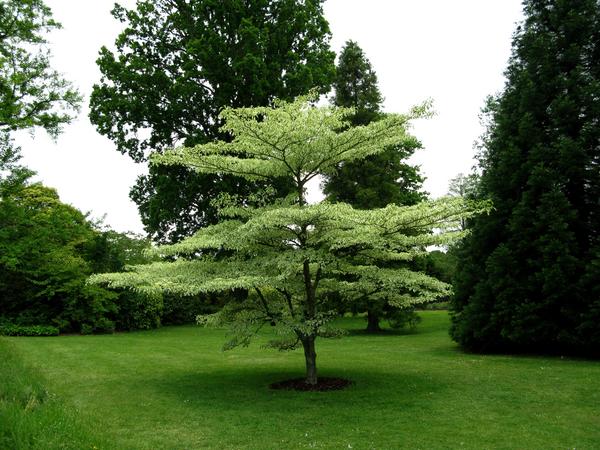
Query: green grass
[(33, 418), (173, 388)]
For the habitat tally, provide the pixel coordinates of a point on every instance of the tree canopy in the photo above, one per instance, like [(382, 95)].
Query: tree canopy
[(32, 94), (287, 255), (528, 274), (176, 65), (43, 264)]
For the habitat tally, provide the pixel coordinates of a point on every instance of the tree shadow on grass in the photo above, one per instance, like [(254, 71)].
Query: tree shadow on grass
[(231, 406), (248, 388), (386, 332)]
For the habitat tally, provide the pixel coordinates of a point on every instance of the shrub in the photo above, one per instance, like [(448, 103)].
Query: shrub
[(179, 310), (403, 318), (138, 311)]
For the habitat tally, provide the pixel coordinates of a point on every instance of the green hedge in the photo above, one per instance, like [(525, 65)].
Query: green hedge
[(28, 330)]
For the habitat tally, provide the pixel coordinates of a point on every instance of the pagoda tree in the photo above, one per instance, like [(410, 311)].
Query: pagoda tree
[(288, 255)]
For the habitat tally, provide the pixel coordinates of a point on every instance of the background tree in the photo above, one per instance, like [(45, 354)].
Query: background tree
[(377, 180), (48, 250), (110, 251), (441, 265), (177, 64), (290, 255), (43, 270), (525, 272), (32, 94), (465, 186)]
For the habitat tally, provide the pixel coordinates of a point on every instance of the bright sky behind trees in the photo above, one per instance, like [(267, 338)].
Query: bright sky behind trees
[(452, 52)]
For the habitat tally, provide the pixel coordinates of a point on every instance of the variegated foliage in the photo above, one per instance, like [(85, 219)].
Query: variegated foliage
[(288, 255)]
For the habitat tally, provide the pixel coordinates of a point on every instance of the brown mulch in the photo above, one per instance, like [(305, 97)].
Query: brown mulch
[(323, 384)]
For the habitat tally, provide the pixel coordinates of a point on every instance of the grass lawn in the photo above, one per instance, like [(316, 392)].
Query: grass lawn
[(174, 388)]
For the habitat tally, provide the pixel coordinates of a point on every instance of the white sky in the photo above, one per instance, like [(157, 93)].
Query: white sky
[(454, 52)]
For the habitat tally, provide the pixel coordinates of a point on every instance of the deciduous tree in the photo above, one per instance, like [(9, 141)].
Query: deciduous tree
[(32, 94), (43, 269), (177, 64)]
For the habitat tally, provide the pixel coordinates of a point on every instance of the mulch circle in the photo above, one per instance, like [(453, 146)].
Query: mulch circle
[(323, 384)]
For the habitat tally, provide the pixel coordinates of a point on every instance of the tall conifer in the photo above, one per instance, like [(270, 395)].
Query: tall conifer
[(383, 178), (529, 272)]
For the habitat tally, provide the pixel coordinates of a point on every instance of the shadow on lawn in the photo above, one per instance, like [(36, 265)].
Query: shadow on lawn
[(246, 387), (386, 332)]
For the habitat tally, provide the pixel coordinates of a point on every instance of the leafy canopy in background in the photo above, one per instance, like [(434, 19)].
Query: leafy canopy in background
[(32, 94), (177, 64)]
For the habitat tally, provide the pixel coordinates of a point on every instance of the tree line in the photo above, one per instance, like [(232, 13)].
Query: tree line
[(197, 77)]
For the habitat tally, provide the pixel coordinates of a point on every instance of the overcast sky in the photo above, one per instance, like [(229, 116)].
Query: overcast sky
[(453, 52)]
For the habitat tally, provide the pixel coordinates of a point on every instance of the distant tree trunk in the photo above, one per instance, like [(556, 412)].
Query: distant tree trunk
[(311, 359), (372, 321)]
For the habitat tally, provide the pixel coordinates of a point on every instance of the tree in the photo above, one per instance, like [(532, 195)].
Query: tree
[(47, 251), (110, 251), (379, 179), (355, 85), (382, 178), (465, 186), (289, 255), (525, 273), (32, 94), (43, 270), (177, 64)]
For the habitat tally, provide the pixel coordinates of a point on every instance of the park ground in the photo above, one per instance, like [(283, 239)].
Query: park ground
[(173, 388)]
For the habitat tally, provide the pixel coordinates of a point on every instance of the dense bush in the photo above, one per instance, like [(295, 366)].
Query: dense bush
[(48, 250), (43, 263), (178, 310), (403, 318), (138, 311)]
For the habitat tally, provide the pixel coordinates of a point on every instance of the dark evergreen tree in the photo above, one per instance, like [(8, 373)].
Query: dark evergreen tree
[(177, 64), (380, 179), (528, 274)]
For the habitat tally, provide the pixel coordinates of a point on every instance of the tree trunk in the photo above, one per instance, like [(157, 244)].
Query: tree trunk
[(311, 359), (372, 321)]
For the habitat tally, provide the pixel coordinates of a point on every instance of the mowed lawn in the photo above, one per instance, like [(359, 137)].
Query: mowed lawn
[(174, 388)]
